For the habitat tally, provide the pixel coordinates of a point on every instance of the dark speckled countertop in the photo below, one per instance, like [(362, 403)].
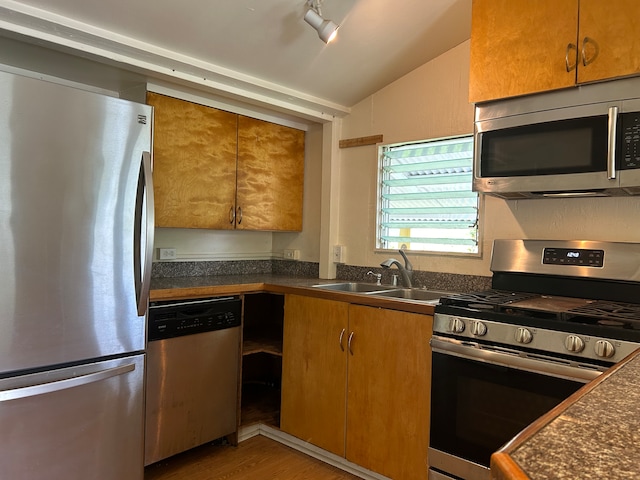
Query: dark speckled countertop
[(172, 288), (595, 434)]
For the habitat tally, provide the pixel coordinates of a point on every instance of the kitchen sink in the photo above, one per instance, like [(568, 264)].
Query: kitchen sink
[(371, 289), (354, 287), (412, 294)]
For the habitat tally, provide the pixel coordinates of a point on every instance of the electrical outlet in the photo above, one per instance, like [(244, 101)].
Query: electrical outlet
[(339, 253), (290, 254), (166, 253)]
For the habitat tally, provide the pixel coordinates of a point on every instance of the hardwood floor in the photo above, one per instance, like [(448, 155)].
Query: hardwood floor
[(258, 458)]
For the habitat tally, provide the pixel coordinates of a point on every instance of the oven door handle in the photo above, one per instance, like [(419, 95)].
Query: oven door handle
[(516, 360)]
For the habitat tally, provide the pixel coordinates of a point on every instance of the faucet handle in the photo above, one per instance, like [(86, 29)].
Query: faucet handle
[(377, 275)]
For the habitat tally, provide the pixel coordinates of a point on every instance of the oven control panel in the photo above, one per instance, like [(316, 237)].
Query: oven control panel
[(573, 256)]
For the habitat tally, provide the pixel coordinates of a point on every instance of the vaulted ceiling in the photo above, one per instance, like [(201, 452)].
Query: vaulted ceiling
[(262, 46)]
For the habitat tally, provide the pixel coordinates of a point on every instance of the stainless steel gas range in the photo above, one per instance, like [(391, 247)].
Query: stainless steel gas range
[(559, 313)]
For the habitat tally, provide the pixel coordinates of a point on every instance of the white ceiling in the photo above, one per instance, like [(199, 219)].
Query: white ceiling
[(262, 46)]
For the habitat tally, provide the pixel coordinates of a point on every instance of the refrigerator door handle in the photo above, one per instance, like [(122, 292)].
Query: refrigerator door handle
[(50, 387), (144, 220)]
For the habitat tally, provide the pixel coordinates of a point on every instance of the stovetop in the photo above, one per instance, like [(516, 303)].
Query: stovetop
[(598, 330), (563, 309), (595, 318), (571, 298)]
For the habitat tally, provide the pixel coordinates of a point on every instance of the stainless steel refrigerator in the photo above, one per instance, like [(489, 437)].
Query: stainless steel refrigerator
[(76, 234)]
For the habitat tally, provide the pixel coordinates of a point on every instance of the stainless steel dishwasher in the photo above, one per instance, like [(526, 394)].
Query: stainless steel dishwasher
[(192, 374)]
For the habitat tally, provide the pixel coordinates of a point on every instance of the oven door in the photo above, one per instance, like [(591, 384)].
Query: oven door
[(481, 397)]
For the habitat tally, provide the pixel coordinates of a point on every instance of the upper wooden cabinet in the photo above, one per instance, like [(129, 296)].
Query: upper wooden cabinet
[(219, 170), (270, 176), (194, 171), (520, 47), (609, 37), (356, 382)]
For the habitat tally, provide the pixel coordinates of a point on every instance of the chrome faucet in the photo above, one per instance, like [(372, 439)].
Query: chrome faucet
[(406, 271)]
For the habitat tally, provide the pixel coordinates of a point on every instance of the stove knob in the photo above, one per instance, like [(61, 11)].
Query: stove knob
[(604, 349), (574, 343), (456, 325), (523, 335), (478, 329)]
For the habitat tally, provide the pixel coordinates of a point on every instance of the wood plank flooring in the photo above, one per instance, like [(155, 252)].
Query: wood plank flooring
[(258, 458)]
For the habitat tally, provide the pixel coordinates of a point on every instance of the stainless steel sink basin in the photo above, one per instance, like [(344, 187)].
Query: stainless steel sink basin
[(384, 291), (354, 287), (413, 294)]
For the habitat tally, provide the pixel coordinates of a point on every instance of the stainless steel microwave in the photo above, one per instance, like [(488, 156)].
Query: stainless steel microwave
[(584, 141)]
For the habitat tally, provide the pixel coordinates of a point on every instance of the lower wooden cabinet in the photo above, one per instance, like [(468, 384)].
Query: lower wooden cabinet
[(356, 382), (389, 386), (314, 370)]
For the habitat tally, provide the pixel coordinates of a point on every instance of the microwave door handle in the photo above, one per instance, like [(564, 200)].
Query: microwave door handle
[(611, 147)]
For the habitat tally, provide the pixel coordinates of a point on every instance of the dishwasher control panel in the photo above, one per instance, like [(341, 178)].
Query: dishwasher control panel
[(175, 318)]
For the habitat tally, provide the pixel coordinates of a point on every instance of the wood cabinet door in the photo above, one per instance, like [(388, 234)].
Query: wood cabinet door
[(270, 176), (389, 387), (520, 47), (609, 35), (314, 370), (194, 150)]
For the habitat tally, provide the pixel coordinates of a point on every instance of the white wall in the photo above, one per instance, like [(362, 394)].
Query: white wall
[(431, 102)]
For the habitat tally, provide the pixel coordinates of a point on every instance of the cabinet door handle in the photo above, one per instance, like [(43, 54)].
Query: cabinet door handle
[(341, 337), (239, 215), (583, 52), (232, 215), (349, 342), (567, 64)]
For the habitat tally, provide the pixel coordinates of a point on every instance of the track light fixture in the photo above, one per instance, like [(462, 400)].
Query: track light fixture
[(326, 29)]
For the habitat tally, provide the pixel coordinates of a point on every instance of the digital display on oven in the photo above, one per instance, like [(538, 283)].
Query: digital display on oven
[(573, 256)]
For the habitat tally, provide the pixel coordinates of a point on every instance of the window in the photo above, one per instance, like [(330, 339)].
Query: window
[(425, 202)]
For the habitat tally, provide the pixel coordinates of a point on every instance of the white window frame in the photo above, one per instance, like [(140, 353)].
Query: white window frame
[(439, 247)]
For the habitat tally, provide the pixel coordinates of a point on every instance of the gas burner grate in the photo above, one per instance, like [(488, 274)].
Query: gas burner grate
[(610, 314), (486, 298)]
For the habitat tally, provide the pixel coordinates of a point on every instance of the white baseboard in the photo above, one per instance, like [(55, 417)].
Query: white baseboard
[(308, 449)]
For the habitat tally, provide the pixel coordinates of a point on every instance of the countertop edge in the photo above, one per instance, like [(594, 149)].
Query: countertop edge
[(504, 467)]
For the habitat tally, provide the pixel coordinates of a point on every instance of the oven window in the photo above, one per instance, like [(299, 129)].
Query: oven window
[(560, 147), (477, 407)]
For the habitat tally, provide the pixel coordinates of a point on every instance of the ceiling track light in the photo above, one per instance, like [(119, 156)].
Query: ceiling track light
[(326, 29)]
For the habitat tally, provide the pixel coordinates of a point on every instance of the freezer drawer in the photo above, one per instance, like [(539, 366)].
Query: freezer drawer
[(84, 422)]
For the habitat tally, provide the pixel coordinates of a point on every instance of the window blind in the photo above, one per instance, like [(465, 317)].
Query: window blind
[(426, 201)]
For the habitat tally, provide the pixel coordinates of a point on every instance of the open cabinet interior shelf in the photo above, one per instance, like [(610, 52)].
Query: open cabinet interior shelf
[(262, 359)]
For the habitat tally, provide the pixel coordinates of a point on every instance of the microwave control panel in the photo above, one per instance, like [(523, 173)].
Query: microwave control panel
[(630, 139)]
